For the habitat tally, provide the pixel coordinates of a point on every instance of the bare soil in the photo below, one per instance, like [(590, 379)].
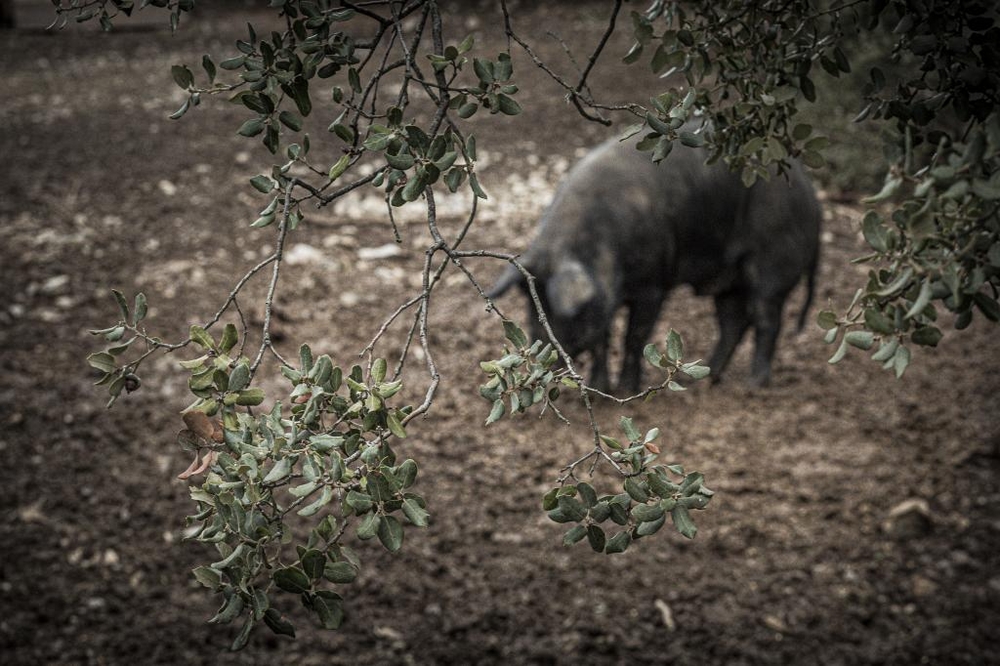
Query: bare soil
[(797, 560)]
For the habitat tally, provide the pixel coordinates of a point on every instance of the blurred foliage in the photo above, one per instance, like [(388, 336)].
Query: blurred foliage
[(856, 157)]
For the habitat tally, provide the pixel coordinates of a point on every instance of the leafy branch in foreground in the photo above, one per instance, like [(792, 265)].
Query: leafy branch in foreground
[(329, 457), (648, 495), (528, 374), (286, 485)]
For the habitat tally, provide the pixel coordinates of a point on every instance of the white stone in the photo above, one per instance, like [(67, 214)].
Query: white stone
[(167, 188), (303, 254), (381, 252)]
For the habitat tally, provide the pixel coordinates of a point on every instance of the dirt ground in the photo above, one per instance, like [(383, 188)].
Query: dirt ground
[(797, 560)]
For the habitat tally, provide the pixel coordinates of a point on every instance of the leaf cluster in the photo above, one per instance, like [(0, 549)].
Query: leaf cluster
[(106, 11), (329, 459), (527, 375), (647, 497), (748, 66), (114, 374), (671, 360), (524, 376), (415, 161), (938, 249)]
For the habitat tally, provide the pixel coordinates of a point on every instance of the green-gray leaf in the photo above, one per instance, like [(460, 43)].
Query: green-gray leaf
[(619, 543), (340, 572), (415, 513), (239, 377), (390, 533), (682, 521), (292, 579), (281, 469)]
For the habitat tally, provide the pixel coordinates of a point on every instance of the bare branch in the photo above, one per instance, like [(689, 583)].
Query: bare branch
[(575, 93), (279, 249)]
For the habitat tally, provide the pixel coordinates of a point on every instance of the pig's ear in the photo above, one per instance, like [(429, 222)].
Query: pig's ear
[(570, 288)]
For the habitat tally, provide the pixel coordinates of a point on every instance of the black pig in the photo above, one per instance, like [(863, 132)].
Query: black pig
[(623, 231)]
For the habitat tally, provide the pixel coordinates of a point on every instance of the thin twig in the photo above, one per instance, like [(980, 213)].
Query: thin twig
[(279, 249), (575, 92)]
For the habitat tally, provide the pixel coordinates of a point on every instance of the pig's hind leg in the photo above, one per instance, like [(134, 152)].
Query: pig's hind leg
[(767, 311)]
